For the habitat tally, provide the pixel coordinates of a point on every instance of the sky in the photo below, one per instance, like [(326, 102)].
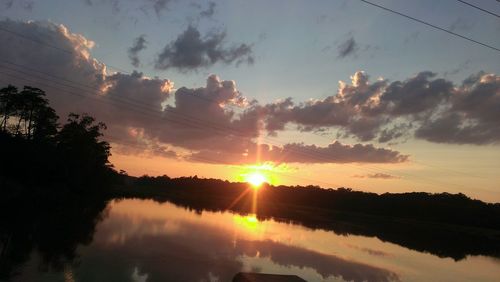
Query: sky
[(328, 93)]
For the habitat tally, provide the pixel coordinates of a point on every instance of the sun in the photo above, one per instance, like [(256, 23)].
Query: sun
[(255, 179)]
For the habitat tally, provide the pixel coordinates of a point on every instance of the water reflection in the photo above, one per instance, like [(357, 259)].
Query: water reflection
[(249, 222), (165, 242), (147, 241), (52, 229)]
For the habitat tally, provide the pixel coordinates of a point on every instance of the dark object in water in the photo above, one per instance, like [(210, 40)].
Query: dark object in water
[(260, 277)]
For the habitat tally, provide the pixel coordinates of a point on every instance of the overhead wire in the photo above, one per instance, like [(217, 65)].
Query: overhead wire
[(479, 8), (68, 51), (193, 123), (432, 25)]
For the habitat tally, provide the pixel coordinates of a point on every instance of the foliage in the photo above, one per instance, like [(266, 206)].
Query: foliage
[(27, 113), (446, 225), (36, 151)]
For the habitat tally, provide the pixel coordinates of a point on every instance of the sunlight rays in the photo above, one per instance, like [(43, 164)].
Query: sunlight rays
[(256, 179)]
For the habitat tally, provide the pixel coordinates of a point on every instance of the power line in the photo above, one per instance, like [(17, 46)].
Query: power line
[(186, 120), (221, 130), (88, 87), (479, 8), (67, 51), (36, 40), (149, 109), (146, 147), (432, 25), (189, 119)]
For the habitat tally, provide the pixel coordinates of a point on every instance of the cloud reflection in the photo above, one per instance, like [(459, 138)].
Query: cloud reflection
[(185, 248)]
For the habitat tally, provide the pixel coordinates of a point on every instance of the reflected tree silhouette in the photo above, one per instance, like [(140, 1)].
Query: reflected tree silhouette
[(51, 229), (444, 225)]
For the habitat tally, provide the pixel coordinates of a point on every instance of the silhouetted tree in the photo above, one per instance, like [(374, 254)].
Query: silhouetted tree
[(30, 111), (36, 152), (7, 96), (34, 106), (45, 120), (85, 156)]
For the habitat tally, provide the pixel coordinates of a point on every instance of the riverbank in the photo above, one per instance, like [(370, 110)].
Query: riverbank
[(421, 233)]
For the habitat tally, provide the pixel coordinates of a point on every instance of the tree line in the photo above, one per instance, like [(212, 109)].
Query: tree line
[(36, 150), (444, 224)]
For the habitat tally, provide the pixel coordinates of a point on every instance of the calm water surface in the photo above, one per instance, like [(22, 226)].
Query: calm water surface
[(141, 240)]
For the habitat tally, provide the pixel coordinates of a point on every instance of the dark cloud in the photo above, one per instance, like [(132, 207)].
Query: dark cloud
[(370, 251), (460, 68), (114, 4), (471, 116), (412, 37), (190, 52), (347, 48), (133, 52), (210, 11), (422, 106), (301, 153), (142, 147), (23, 4), (160, 5), (417, 95), (377, 176), (7, 3), (461, 24), (28, 5)]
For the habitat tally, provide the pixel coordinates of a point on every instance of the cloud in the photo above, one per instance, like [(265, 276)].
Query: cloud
[(422, 106), (370, 251), (76, 82), (24, 4), (472, 116), (160, 5), (131, 7), (190, 52), (115, 4), (210, 11), (347, 48), (214, 123), (218, 254), (50, 48), (377, 176), (461, 24), (7, 3), (412, 37), (139, 45), (335, 152)]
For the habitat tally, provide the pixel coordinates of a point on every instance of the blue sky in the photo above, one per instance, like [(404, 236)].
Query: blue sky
[(295, 42)]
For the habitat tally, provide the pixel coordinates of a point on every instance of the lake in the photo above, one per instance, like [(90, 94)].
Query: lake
[(143, 240)]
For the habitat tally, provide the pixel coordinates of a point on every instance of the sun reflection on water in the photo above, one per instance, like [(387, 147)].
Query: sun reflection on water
[(249, 223)]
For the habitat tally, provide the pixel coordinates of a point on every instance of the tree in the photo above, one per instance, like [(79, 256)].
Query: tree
[(7, 96), (30, 111), (84, 155), (36, 106), (45, 121)]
